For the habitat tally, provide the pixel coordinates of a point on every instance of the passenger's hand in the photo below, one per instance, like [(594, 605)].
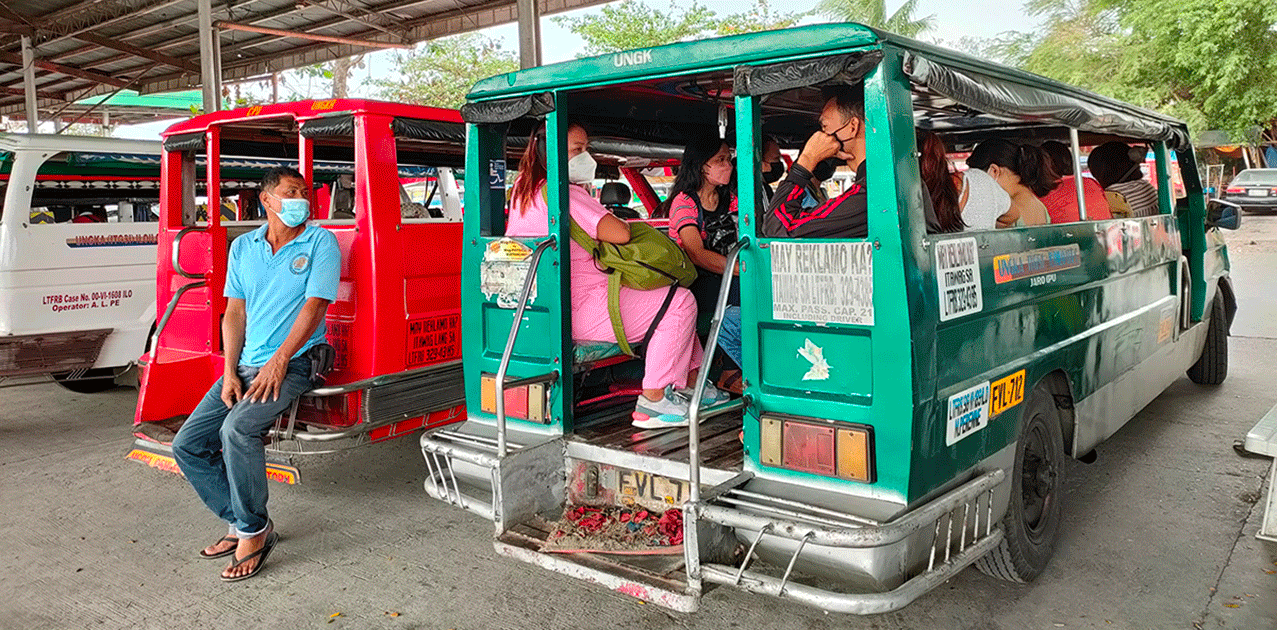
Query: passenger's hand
[(265, 386), (232, 391), (820, 146)]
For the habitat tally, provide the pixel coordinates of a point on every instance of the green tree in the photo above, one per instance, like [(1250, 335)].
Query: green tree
[(441, 72), (631, 24), (1208, 62), (874, 13), (760, 17), (1211, 62)]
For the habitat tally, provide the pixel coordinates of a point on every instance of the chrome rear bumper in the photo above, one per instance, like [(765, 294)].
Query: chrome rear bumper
[(909, 555)]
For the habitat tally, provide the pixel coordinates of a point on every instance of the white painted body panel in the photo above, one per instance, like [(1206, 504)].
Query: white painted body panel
[(66, 277)]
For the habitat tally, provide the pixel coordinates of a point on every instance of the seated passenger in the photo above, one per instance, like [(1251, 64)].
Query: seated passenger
[(90, 214), (1116, 167), (933, 166), (1061, 203), (1023, 171), (841, 136), (703, 215), (673, 355), (771, 167)]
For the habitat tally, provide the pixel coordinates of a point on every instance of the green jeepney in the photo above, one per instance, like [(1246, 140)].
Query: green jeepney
[(909, 397)]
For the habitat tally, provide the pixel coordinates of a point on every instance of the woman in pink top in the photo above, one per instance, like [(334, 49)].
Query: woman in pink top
[(1061, 202), (674, 353), (702, 212)]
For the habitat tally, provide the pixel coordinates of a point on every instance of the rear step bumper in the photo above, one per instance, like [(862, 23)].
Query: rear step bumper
[(956, 527), (462, 464), (160, 456)]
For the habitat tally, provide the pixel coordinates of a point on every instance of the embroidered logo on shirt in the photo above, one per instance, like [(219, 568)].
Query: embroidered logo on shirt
[(300, 264)]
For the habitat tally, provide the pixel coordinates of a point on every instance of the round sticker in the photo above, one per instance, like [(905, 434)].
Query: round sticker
[(300, 264)]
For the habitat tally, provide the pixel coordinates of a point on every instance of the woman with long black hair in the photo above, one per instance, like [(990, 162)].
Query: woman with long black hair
[(702, 213)]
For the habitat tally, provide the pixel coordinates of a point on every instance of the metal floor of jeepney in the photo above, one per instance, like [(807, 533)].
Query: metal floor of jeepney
[(609, 427)]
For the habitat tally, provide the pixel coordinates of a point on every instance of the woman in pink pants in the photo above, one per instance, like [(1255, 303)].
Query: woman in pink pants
[(674, 353)]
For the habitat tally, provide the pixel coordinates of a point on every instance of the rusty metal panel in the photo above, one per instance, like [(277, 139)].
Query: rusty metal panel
[(54, 352)]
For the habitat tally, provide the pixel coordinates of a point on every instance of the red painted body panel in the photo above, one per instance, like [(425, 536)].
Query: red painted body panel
[(398, 305)]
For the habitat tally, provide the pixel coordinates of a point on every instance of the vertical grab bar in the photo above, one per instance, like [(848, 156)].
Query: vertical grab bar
[(498, 383), (694, 406), (177, 249)]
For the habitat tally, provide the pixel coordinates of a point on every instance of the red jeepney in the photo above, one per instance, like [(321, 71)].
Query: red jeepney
[(396, 321)]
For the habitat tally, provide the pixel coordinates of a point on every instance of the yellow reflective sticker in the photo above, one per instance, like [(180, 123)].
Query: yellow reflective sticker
[(1006, 393)]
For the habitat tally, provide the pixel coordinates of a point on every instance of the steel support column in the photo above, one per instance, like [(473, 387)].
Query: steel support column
[(28, 84), (210, 58), (529, 34)]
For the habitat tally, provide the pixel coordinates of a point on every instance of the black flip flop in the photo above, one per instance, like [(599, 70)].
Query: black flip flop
[(222, 554), (264, 552)]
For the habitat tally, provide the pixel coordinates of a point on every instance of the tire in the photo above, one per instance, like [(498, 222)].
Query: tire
[(1212, 366), (1032, 521), (93, 381)]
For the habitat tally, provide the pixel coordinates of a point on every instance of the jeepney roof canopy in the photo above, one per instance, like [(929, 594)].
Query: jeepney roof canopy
[(424, 135), (954, 93)]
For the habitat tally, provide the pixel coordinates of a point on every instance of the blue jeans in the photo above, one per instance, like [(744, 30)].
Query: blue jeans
[(221, 452), (729, 335)]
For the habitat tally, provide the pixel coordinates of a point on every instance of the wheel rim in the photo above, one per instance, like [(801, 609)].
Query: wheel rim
[(1038, 480)]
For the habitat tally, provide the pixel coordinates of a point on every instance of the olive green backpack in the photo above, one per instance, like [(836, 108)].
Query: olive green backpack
[(650, 260)]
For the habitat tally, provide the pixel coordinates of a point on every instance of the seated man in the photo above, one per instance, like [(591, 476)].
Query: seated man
[(1116, 166), (280, 279), (771, 166), (841, 136)]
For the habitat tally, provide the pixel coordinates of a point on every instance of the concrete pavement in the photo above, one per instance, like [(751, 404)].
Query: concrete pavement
[(1159, 532)]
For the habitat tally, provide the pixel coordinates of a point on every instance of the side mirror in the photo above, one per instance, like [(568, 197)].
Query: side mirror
[(1223, 214)]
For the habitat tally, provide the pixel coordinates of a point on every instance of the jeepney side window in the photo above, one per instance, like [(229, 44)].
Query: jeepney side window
[(491, 200), (429, 181), (93, 188)]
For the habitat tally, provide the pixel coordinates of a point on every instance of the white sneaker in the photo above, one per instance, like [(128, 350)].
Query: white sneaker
[(670, 411), (709, 397)]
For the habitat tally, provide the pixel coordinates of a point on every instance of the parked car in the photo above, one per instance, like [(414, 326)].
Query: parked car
[(1254, 189)]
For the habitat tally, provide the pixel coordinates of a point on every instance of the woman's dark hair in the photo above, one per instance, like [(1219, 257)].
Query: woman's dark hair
[(1061, 157), (690, 175), (1111, 163), (1029, 162), (934, 165), (532, 169)]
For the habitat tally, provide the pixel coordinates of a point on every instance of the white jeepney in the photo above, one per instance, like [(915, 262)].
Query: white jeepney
[(77, 258)]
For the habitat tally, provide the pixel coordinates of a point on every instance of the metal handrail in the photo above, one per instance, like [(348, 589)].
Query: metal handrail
[(498, 384), (694, 407), (177, 249), (172, 306)]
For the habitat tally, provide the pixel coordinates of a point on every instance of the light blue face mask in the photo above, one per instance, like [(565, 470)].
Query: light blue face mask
[(293, 212)]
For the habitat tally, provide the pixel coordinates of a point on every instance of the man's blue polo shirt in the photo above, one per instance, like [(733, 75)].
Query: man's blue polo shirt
[(275, 285)]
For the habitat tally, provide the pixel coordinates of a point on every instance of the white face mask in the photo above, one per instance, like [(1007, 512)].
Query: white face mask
[(581, 168)]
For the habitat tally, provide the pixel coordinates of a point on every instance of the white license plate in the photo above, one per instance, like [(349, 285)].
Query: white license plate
[(648, 489), (1257, 192)]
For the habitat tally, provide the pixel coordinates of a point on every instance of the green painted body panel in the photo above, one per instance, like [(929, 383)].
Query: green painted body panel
[(1102, 311)]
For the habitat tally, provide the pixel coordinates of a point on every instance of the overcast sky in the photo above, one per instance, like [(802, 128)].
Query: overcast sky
[(954, 20)]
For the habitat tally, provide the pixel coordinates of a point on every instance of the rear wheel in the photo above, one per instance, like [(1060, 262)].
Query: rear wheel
[(1212, 366), (93, 381), (1032, 520)]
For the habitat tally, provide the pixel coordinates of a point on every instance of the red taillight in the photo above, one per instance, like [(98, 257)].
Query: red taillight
[(1236, 190), (808, 448)]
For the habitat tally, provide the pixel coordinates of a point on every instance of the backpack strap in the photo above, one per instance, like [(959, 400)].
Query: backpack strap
[(618, 327)]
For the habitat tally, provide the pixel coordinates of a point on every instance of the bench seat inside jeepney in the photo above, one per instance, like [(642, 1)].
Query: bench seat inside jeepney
[(588, 354)]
